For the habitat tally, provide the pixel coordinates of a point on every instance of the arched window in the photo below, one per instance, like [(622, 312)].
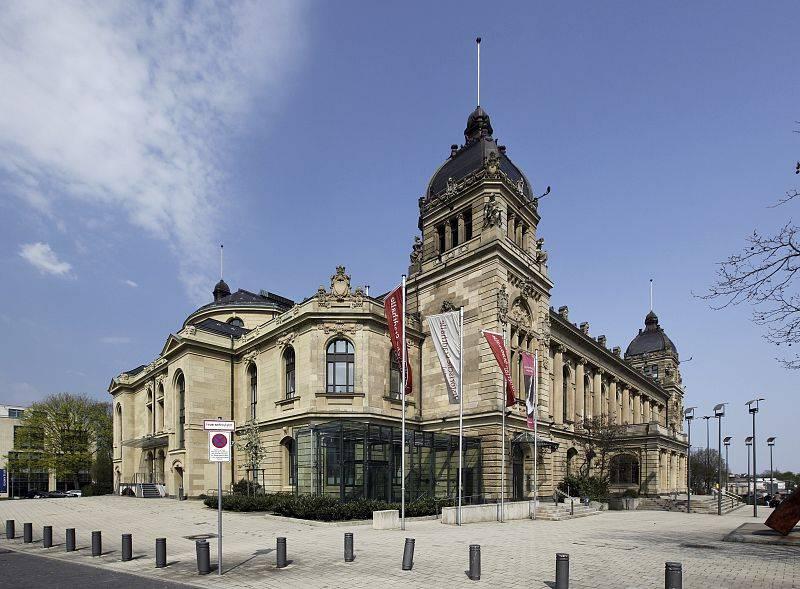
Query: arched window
[(236, 322), (160, 408), (341, 364), (252, 372), (395, 375), (571, 454), (624, 470), (288, 365), (149, 404), (180, 385), (565, 384), (289, 459)]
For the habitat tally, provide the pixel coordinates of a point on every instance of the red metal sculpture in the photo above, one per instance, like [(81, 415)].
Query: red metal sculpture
[(786, 515)]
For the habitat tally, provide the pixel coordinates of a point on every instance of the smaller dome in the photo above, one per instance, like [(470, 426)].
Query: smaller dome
[(478, 125), (651, 339), (221, 290)]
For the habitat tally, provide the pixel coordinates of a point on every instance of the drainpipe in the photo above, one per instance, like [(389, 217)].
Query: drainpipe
[(233, 455)]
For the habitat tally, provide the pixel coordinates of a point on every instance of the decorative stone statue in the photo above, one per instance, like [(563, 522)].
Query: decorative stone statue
[(491, 213), (502, 303), (541, 254), (416, 251), (492, 164)]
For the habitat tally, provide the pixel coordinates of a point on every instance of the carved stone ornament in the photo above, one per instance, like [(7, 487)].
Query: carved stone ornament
[(416, 251), (450, 190), (340, 284), (520, 315), (341, 328), (541, 254), (520, 186), (190, 330), (340, 291), (492, 164), (159, 380), (358, 297), (447, 307), (492, 215), (502, 304), (529, 290), (286, 339), (251, 356)]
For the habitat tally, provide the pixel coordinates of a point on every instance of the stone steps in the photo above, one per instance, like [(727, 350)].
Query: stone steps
[(150, 491), (701, 504), (552, 512)]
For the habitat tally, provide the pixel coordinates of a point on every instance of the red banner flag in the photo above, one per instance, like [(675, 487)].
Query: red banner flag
[(529, 370), (395, 317), (498, 347)]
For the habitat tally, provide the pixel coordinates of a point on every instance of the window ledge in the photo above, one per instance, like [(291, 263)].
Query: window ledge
[(340, 395), (396, 401), (289, 401)]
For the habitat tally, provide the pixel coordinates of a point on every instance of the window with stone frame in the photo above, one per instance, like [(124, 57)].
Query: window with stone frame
[(395, 375), (252, 373), (340, 359), (181, 413), (289, 373)]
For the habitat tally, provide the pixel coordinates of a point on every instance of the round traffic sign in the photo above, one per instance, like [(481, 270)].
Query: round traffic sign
[(219, 440)]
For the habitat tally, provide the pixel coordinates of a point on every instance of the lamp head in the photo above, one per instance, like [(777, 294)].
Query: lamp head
[(727, 440), (719, 410), (771, 441), (752, 405), (688, 413), (748, 440)]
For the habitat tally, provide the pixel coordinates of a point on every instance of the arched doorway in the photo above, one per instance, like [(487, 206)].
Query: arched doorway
[(159, 470), (571, 462), (517, 472), (177, 479)]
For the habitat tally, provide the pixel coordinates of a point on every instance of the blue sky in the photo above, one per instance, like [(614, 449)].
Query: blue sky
[(134, 140)]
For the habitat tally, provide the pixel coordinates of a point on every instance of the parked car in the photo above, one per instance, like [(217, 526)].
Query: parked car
[(35, 494), (56, 494), (74, 493)]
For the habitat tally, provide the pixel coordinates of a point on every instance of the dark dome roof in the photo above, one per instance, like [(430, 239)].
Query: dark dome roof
[(221, 290), (471, 156), (651, 339)]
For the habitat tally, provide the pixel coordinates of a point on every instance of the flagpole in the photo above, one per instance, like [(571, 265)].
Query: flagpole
[(503, 439), (403, 433), (535, 432), (460, 411)]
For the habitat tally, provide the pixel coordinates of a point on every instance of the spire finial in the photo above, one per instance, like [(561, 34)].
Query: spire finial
[(651, 295), (478, 43), (221, 260)]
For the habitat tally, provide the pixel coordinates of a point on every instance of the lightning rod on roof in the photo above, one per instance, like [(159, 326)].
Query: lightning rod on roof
[(651, 295), (221, 246), (478, 43)]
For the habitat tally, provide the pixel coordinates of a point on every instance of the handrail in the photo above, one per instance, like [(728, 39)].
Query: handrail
[(557, 492)]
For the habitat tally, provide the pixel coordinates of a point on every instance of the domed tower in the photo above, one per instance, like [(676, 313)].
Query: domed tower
[(652, 352)]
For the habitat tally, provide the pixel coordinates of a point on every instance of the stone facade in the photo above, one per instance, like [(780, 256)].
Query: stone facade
[(478, 250)]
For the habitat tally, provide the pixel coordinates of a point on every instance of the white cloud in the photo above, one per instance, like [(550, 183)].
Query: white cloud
[(127, 108), (44, 259), (130, 283), (115, 339)]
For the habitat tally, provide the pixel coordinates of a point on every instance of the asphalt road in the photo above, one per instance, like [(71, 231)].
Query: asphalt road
[(25, 571)]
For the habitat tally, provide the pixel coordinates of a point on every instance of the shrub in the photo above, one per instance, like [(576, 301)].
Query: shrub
[(245, 487), (593, 487), (632, 493)]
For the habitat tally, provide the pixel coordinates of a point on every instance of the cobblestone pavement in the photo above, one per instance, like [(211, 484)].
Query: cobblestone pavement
[(612, 550)]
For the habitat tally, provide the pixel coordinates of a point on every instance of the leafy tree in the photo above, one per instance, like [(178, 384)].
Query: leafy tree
[(68, 434), (764, 274), (601, 440), (704, 465)]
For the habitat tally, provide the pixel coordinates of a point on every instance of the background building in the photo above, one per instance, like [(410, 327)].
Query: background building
[(320, 380)]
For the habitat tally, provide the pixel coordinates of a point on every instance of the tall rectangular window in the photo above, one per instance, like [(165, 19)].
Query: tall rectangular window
[(442, 244), (454, 231), (468, 224)]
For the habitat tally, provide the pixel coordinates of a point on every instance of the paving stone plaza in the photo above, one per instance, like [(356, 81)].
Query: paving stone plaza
[(617, 549)]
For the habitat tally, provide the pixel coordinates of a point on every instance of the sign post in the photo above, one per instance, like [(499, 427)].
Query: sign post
[(219, 451)]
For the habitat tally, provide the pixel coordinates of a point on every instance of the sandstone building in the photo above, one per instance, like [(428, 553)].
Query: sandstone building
[(321, 382)]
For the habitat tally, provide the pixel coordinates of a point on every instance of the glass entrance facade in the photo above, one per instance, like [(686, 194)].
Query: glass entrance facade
[(351, 460)]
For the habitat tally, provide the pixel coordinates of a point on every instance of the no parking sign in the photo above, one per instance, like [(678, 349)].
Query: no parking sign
[(219, 446)]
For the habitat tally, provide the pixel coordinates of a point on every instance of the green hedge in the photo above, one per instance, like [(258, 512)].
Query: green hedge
[(322, 507), (593, 487)]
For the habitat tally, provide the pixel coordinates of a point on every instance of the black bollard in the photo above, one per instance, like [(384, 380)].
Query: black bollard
[(97, 543), (348, 547), (408, 554), (474, 572), (27, 532), (161, 553), (47, 536), (203, 557), (70, 539), (673, 575), (562, 571), (127, 547), (10, 531), (281, 553)]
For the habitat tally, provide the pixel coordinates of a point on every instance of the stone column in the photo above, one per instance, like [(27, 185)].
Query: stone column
[(511, 221), (626, 404), (612, 400), (462, 236), (558, 384), (571, 395), (448, 236), (597, 410), (580, 392)]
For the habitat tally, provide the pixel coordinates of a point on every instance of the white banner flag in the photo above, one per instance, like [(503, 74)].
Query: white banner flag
[(445, 331)]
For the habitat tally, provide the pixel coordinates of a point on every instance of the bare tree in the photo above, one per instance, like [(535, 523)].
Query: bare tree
[(603, 439), (763, 275)]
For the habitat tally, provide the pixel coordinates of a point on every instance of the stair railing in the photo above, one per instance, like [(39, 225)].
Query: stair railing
[(559, 493)]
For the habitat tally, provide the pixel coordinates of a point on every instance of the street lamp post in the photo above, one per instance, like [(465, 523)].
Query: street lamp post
[(719, 413), (688, 415), (748, 441), (708, 457), (771, 444), (752, 407), (727, 442)]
